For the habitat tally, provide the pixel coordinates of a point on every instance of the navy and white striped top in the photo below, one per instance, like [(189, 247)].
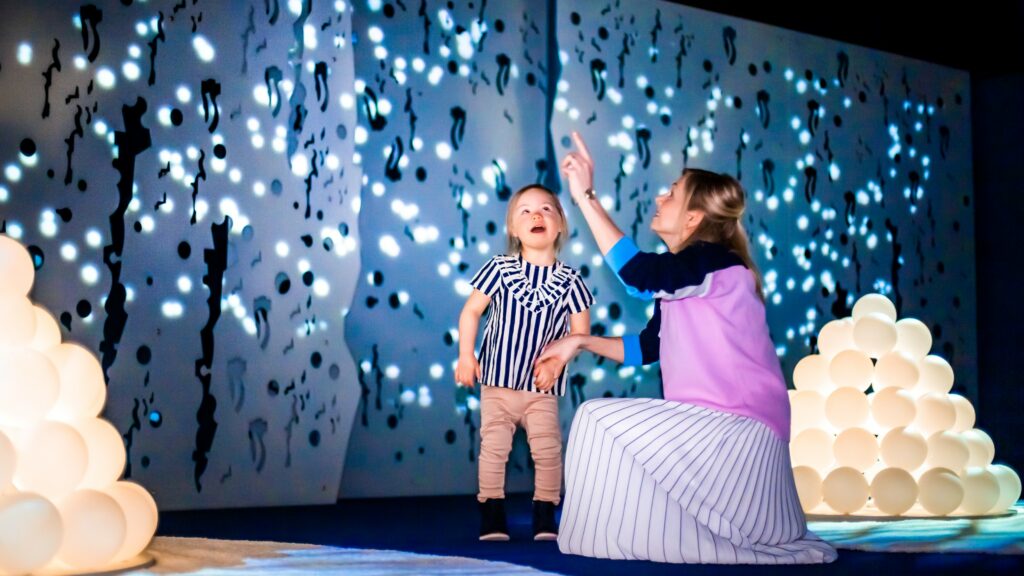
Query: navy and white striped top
[(530, 307)]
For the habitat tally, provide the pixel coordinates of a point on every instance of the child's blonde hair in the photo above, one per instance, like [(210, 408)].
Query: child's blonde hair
[(722, 200), (514, 245)]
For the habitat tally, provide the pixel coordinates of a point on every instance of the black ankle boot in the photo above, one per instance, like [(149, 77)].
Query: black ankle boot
[(544, 527), (493, 526)]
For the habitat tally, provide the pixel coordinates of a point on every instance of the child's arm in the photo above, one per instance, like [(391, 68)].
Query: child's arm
[(547, 371), (467, 370)]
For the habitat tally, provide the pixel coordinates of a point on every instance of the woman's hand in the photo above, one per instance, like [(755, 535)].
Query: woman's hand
[(467, 371), (578, 168), (546, 373), (560, 351)]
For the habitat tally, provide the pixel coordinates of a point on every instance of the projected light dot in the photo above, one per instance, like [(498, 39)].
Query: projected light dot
[(443, 150), (444, 269), (131, 71), (184, 284), (90, 274), (172, 309), (463, 288), (389, 246), (321, 287), (203, 48)]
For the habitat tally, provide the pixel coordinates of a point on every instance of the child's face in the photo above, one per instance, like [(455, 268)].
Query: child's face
[(535, 220)]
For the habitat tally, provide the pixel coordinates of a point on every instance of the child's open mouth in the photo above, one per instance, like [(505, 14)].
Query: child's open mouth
[(538, 229)]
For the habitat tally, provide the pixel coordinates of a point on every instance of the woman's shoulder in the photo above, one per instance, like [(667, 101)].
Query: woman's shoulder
[(710, 254)]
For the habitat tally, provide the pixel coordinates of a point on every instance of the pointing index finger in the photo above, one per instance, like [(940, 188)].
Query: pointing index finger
[(580, 145)]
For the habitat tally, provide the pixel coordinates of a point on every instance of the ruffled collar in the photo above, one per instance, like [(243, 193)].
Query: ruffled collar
[(535, 298)]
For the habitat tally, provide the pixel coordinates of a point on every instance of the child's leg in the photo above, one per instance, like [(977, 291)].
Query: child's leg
[(545, 438), (497, 425)]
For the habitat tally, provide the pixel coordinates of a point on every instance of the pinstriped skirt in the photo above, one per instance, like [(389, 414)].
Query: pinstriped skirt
[(650, 479)]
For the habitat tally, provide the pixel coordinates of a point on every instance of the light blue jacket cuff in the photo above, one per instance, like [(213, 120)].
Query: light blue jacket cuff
[(622, 252), (631, 346)]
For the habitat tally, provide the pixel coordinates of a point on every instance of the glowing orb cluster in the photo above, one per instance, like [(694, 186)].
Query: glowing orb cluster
[(62, 507), (876, 431)]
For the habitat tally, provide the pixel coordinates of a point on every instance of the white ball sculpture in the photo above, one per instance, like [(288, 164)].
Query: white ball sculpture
[(895, 370), (908, 440), (851, 368), (812, 447), (845, 490), (904, 448), (893, 408), (913, 338), (61, 506), (856, 448), (808, 486), (835, 337), (947, 450), (1009, 487), (808, 410), (847, 407), (941, 491), (981, 491), (894, 491), (811, 373), (874, 304), (936, 375), (981, 447), (875, 334)]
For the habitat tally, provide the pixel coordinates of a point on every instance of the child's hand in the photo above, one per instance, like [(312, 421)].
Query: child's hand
[(467, 371), (546, 373)]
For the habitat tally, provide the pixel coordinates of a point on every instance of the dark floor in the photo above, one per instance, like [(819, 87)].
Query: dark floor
[(447, 525)]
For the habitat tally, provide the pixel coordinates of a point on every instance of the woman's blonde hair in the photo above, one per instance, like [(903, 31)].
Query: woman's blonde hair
[(722, 200), (514, 245)]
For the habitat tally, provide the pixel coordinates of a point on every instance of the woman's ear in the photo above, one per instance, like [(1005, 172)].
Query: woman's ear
[(693, 219)]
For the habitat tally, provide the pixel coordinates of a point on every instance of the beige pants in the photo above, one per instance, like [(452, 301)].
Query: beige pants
[(501, 410)]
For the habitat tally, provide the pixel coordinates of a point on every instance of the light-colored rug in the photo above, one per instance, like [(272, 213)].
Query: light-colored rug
[(204, 556), (996, 535)]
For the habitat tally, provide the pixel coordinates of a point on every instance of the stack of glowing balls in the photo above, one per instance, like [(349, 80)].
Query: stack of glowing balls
[(62, 507), (909, 447)]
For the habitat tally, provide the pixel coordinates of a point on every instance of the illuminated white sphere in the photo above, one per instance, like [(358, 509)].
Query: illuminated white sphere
[(807, 409), (808, 486), (874, 304), (835, 337), (935, 412), (812, 447), (941, 491), (16, 268), (981, 491), (82, 388), (981, 447), (106, 453), (893, 408), (811, 373), (847, 407), (895, 369), (141, 516), (947, 449), (893, 491), (856, 448), (30, 532), (936, 375), (8, 462), (913, 338), (18, 326), (875, 334), (904, 448), (52, 460), (47, 332), (845, 490), (94, 529), (1009, 488), (964, 413), (29, 386), (851, 368)]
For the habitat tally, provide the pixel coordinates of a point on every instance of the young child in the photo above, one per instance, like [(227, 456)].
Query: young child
[(534, 299)]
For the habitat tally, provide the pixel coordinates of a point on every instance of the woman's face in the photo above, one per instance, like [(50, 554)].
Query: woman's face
[(672, 222)]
